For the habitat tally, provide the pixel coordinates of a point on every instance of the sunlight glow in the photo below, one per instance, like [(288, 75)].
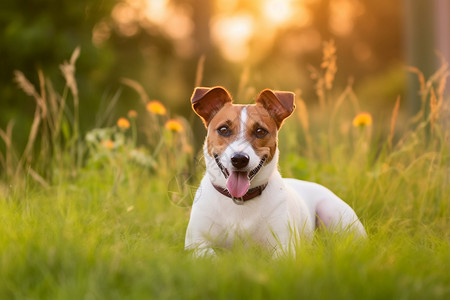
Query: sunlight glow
[(125, 16), (233, 34), (277, 11), (174, 20), (240, 29), (156, 10), (342, 13)]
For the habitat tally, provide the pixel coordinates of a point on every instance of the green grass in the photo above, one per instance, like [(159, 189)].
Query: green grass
[(110, 236), (108, 228)]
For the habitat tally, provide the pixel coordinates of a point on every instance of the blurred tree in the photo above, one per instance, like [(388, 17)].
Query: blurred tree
[(202, 12), (377, 39), (368, 35), (428, 37), (158, 43), (41, 34)]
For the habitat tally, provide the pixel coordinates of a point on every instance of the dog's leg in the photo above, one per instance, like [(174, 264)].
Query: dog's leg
[(201, 248), (336, 215), (331, 211), (202, 235), (283, 239), (204, 252), (285, 249)]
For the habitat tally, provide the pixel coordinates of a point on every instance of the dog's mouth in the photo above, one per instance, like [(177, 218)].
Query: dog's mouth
[(238, 182)]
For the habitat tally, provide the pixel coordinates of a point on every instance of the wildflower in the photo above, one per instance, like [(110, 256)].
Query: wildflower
[(123, 123), (108, 144), (362, 119), (132, 114), (174, 125), (156, 107)]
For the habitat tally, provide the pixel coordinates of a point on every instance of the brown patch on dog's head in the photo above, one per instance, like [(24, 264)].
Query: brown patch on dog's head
[(207, 102), (280, 105), (215, 108), (228, 116), (259, 120)]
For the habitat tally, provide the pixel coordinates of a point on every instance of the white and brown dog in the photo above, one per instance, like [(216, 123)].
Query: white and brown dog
[(242, 193)]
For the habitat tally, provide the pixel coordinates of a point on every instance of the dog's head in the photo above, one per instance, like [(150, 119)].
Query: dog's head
[(241, 145)]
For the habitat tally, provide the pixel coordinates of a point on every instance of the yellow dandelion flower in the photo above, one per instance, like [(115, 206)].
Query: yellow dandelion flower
[(108, 144), (123, 123), (132, 114), (156, 107), (174, 125), (362, 119)]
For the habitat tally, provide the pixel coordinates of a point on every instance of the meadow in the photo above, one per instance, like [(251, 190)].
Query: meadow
[(103, 215)]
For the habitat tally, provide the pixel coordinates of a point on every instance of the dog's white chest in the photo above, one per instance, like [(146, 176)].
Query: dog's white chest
[(267, 220)]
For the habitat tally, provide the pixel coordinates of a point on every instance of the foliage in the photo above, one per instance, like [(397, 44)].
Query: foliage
[(55, 147), (38, 33), (113, 226)]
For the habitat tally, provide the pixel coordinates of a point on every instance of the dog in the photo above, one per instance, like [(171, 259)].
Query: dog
[(242, 194)]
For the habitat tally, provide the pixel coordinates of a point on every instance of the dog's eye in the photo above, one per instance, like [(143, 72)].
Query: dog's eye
[(260, 133), (224, 131)]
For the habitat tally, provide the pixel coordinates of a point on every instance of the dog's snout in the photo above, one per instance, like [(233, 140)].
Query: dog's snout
[(240, 160)]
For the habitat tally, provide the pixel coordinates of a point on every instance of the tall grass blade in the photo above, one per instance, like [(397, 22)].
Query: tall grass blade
[(2, 161), (138, 88), (199, 71), (319, 86), (105, 116), (420, 77), (422, 92), (329, 63), (10, 156), (68, 71), (302, 113), (393, 121), (434, 109), (28, 152), (25, 85), (38, 178), (52, 119), (43, 94), (243, 82)]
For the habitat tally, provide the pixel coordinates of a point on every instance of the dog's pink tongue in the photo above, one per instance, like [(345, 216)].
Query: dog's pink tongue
[(238, 184)]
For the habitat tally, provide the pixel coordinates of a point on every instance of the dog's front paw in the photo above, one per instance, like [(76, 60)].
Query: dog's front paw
[(204, 252), (283, 251)]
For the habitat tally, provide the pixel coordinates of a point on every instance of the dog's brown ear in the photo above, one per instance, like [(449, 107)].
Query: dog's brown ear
[(279, 104), (206, 102)]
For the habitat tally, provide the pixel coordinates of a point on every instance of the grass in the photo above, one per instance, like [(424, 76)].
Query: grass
[(113, 227), (95, 238)]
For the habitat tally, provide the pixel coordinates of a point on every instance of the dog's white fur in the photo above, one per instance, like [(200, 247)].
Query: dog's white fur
[(286, 211)]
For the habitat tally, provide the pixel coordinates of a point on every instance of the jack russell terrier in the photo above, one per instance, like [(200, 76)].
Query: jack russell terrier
[(242, 194)]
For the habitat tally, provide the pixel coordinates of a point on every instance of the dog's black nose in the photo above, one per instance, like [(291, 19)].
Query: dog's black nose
[(240, 160)]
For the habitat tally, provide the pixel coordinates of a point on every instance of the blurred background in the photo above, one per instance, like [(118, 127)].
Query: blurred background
[(245, 45)]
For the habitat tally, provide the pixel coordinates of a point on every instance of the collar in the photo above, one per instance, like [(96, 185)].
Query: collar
[(251, 193)]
